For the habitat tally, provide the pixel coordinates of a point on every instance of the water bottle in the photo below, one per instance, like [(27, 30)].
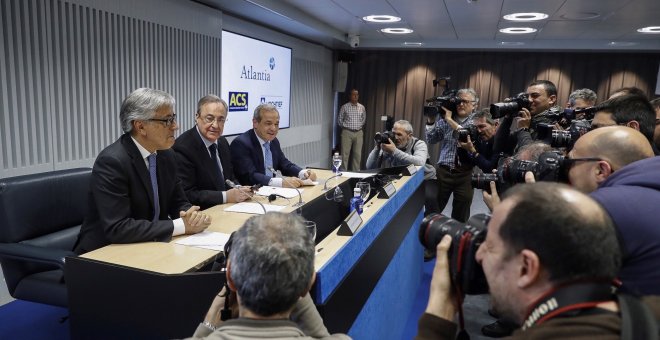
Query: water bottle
[(356, 202)]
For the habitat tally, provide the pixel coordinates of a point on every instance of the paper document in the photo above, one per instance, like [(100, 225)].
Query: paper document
[(355, 174), (284, 192), (206, 239), (253, 208)]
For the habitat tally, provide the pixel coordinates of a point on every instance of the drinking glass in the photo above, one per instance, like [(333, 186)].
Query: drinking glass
[(364, 190), (311, 229), (336, 162)]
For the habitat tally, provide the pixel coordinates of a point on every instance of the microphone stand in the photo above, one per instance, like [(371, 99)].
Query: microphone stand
[(300, 200), (338, 194), (237, 187)]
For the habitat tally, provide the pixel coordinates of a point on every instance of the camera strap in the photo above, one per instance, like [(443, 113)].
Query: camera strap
[(568, 299)]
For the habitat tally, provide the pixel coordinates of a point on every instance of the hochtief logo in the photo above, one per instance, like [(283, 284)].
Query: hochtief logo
[(238, 101), (271, 63)]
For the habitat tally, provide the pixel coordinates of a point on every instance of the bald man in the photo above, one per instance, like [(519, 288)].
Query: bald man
[(616, 166)]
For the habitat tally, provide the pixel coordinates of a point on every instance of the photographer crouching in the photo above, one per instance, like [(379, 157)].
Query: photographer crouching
[(400, 147), (548, 255)]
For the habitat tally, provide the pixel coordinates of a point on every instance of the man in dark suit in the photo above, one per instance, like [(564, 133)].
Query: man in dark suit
[(257, 150), (204, 161), (134, 191)]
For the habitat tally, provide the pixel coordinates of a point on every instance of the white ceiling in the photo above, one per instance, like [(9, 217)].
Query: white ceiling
[(573, 25)]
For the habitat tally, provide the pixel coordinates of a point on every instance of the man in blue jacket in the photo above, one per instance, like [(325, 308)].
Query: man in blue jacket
[(255, 152), (616, 166)]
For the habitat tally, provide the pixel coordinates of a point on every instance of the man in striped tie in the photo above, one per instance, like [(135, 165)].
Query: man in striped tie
[(135, 195)]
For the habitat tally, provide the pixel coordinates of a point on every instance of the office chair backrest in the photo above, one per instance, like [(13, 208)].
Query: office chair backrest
[(44, 209)]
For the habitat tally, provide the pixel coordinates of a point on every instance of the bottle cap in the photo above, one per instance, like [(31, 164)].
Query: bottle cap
[(356, 191)]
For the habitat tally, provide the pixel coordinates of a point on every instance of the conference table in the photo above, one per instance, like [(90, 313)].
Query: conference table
[(365, 281)]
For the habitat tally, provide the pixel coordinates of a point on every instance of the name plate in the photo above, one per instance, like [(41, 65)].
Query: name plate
[(410, 170), (350, 224), (388, 191)]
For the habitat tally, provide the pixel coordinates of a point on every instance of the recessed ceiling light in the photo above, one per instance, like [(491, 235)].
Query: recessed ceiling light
[(397, 30), (525, 16), (621, 43), (518, 30), (381, 18), (512, 43), (650, 29), (412, 43)]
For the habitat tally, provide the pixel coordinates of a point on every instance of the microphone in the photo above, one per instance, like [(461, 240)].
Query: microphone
[(300, 200), (234, 186), (338, 194)]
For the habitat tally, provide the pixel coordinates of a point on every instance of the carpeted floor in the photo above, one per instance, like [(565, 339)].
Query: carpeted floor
[(28, 320)]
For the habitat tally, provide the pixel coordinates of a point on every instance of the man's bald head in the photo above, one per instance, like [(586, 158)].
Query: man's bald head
[(619, 145)]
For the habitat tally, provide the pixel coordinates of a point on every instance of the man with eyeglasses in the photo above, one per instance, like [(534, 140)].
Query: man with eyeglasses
[(454, 165), (616, 166), (135, 194), (631, 110), (204, 161)]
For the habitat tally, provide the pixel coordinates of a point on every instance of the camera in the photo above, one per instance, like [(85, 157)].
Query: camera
[(510, 106), (566, 116), (563, 138), (382, 137), (448, 100), (551, 167), (463, 133), (354, 40), (567, 138), (465, 272)]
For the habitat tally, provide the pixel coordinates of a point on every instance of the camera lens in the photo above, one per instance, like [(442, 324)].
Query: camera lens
[(561, 139), (464, 270), (482, 181)]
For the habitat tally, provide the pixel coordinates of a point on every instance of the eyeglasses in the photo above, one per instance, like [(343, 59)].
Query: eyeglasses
[(570, 162), (465, 102), (168, 121), (211, 119)]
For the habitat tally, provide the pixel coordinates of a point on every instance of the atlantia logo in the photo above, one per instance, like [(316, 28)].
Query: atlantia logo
[(271, 63), (249, 73), (238, 101)]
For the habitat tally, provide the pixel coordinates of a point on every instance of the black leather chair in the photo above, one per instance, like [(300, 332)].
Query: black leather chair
[(40, 217)]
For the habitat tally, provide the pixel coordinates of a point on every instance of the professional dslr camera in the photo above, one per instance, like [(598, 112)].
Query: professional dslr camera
[(551, 167), (448, 100), (568, 115), (465, 272), (382, 137), (563, 138), (463, 133), (510, 106)]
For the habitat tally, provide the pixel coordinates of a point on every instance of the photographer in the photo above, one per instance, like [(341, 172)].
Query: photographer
[(454, 166), (481, 150), (403, 150), (615, 165), (581, 99), (271, 269), (516, 132), (631, 110), (549, 257)]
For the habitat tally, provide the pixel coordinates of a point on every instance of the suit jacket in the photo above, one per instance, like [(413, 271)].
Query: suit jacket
[(198, 174), (248, 159), (120, 205)]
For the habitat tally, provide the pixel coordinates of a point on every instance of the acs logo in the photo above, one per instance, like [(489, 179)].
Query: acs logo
[(238, 101)]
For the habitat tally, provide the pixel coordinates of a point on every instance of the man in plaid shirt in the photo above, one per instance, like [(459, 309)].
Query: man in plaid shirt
[(454, 166), (352, 116)]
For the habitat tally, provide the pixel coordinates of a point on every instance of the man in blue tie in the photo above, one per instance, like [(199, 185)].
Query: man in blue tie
[(135, 195), (203, 158), (256, 151)]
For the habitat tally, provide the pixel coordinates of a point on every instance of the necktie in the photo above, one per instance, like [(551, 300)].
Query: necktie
[(213, 148), (268, 159), (154, 184)]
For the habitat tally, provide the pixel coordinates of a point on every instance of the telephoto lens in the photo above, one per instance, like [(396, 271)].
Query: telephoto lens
[(466, 274)]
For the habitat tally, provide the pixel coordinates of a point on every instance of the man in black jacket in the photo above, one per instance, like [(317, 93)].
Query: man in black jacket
[(204, 161)]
